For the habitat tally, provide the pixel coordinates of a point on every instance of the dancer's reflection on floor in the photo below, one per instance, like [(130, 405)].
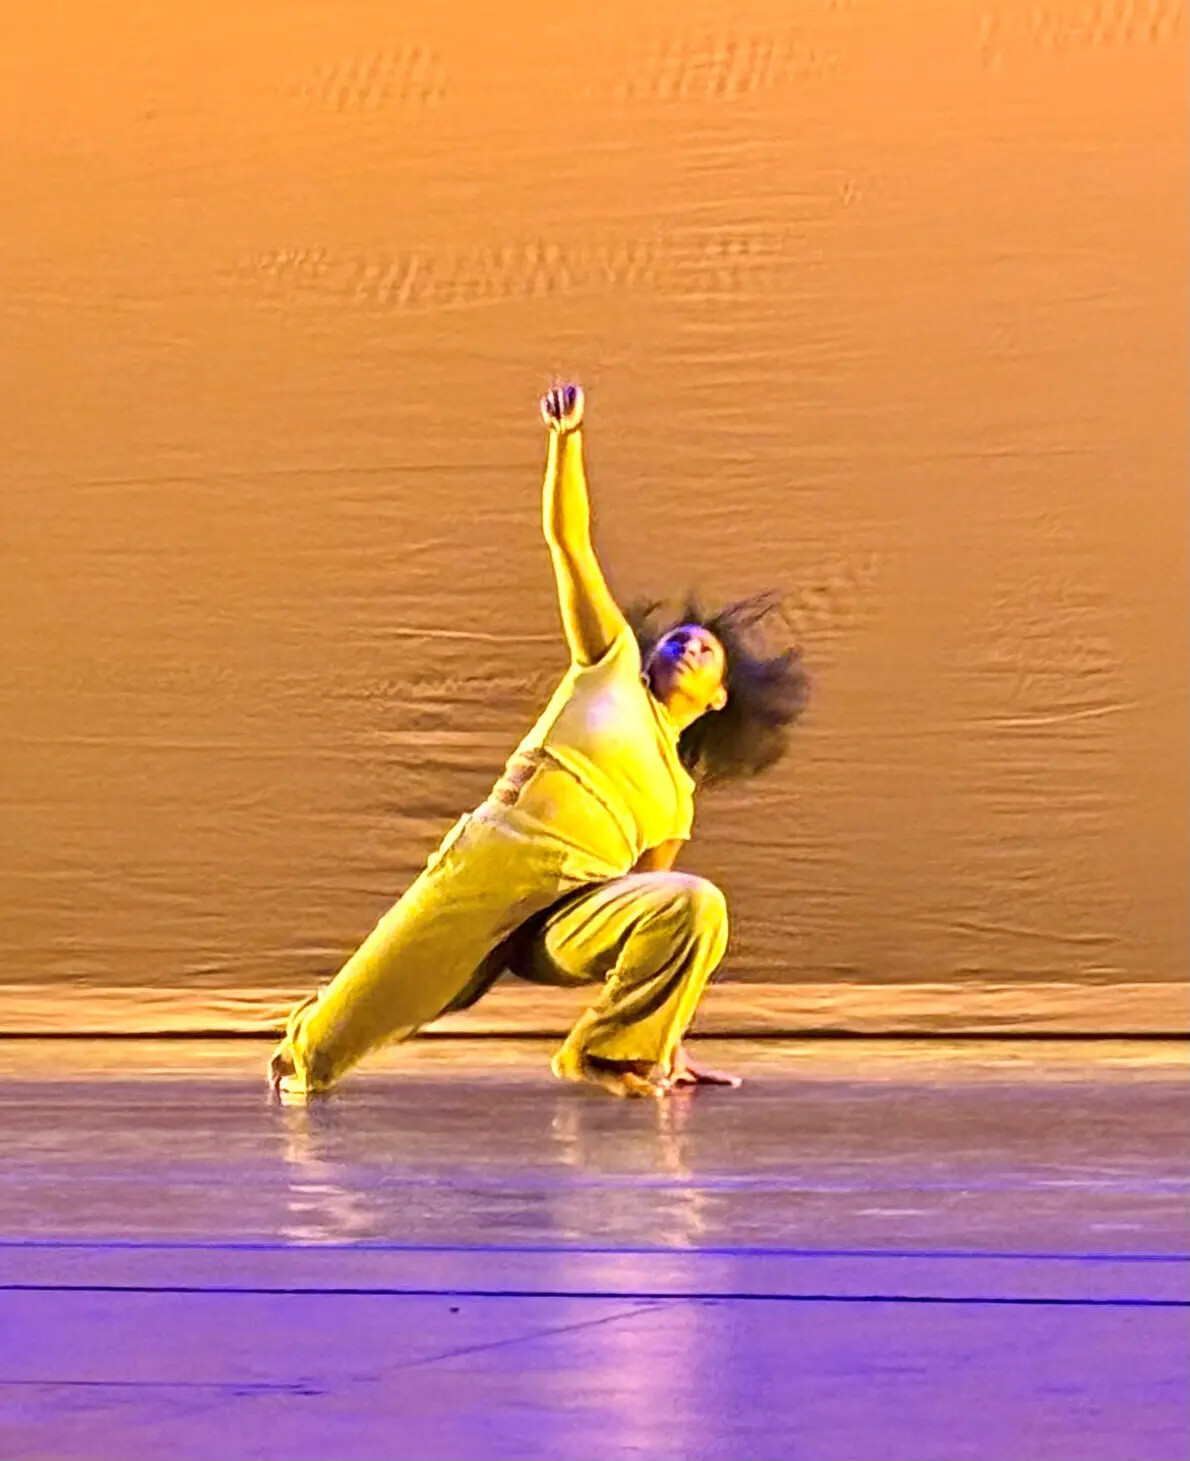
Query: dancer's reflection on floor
[(632, 1183), (326, 1200), (491, 1163)]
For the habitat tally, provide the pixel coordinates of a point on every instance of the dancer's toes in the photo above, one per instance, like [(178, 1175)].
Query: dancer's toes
[(291, 1086), (280, 1067)]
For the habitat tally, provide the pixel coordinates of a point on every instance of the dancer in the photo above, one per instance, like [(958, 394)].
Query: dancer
[(565, 874)]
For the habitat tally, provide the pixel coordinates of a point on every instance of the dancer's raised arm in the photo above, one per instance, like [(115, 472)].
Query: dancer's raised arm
[(591, 618)]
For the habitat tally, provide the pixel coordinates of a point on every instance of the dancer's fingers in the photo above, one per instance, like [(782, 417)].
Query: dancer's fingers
[(694, 1075), (717, 1078), (562, 406)]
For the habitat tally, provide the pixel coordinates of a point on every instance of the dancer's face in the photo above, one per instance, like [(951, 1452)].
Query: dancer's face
[(689, 664)]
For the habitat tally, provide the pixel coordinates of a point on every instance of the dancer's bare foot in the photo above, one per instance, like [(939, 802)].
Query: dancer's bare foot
[(280, 1068), (686, 1074), (621, 1078), (285, 1080), (286, 1083)]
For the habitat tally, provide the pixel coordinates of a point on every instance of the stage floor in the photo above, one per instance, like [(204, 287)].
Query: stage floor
[(874, 1249)]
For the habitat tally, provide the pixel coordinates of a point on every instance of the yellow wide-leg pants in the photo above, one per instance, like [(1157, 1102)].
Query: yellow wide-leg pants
[(492, 898)]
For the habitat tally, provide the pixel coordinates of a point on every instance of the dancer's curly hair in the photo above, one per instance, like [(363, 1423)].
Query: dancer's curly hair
[(765, 694)]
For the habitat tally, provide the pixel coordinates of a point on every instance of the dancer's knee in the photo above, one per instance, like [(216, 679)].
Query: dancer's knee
[(698, 906)]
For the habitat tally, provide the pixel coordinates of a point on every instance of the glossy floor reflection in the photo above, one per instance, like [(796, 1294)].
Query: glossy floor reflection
[(874, 1249)]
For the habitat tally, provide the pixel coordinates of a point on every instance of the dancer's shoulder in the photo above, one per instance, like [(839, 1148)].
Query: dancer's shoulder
[(621, 658)]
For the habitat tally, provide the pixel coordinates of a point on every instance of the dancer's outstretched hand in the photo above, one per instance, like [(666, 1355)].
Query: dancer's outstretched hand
[(562, 408), (686, 1073)]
